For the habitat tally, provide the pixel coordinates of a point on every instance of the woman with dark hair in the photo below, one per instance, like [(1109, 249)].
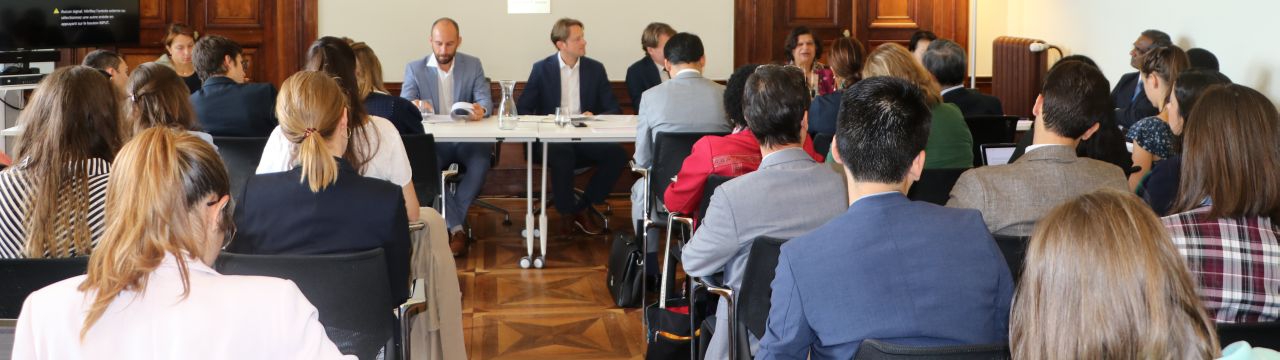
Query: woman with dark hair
[(1152, 140), (179, 40), (52, 196), (400, 111), (157, 97), (803, 51), (846, 59), (1160, 188), (1228, 198)]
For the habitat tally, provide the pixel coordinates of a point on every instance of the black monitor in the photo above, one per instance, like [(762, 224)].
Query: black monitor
[(44, 24)]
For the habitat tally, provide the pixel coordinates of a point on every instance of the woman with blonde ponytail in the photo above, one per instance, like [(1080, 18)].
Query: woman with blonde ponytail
[(150, 292), (323, 205)]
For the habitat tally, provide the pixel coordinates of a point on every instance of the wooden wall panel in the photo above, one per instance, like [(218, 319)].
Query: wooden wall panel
[(235, 13)]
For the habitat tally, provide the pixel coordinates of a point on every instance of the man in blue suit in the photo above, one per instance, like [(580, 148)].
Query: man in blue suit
[(225, 105), (434, 83), (577, 85), (649, 71), (1130, 97), (889, 268)]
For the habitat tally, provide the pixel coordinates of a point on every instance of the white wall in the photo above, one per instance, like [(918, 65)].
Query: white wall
[(1234, 30), (508, 45)]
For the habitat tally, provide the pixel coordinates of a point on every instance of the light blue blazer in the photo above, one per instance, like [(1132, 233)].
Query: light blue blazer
[(469, 84)]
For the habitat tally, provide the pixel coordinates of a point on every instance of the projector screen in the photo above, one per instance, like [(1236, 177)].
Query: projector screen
[(42, 24)]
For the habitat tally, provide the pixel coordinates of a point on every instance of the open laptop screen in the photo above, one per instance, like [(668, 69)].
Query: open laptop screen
[(997, 154)]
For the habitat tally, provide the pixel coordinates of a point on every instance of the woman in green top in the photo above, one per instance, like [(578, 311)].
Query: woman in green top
[(950, 143)]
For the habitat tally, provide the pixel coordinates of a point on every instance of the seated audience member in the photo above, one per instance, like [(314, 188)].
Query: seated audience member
[(650, 70), (846, 57), (1014, 196), (1106, 144), (1201, 59), (225, 104), (1103, 281), (576, 84), (157, 97), (322, 205), (1130, 100), (401, 112), (789, 195), (883, 128), (731, 155), (52, 195), (109, 63), (688, 102), (374, 149), (166, 221), (919, 43), (946, 61), (179, 41), (1228, 200), (1160, 188), (803, 51), (1152, 140), (950, 143)]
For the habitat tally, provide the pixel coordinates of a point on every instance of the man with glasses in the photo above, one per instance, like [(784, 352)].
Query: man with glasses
[(1131, 100)]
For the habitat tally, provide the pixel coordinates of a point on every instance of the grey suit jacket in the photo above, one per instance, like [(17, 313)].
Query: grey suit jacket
[(686, 103), (788, 196), (1013, 197), (469, 84)]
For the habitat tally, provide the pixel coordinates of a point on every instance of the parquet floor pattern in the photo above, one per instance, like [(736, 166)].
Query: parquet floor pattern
[(562, 311)]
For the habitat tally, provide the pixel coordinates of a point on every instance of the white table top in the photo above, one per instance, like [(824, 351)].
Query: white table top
[(484, 130), (605, 128), (19, 87)]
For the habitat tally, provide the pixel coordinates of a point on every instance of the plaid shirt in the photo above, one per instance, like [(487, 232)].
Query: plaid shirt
[(1235, 261)]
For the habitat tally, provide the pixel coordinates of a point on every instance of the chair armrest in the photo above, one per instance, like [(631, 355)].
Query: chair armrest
[(639, 170), (416, 226), (680, 218), (417, 303), (715, 286), (449, 173)]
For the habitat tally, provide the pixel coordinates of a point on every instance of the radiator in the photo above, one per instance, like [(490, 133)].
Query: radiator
[(1017, 74)]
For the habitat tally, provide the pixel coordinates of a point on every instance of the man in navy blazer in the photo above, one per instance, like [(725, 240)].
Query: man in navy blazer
[(1130, 97), (945, 59), (577, 85), (225, 105), (648, 71), (907, 272), (464, 81)]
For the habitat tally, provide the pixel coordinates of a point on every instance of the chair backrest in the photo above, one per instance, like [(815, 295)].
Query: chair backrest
[(935, 185), (753, 298), (708, 188), (822, 143), (349, 290), (21, 277), (1014, 249), (421, 149), (872, 349), (1262, 334), (990, 129), (241, 155), (669, 151)]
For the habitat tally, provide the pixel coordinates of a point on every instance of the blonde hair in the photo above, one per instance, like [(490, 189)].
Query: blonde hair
[(368, 69), (1104, 281), (157, 189), (309, 107), (891, 59)]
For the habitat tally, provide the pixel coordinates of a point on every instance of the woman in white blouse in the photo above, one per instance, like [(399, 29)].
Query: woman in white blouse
[(375, 148), (150, 292)]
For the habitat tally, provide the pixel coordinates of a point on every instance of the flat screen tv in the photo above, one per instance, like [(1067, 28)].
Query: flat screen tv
[(44, 24)]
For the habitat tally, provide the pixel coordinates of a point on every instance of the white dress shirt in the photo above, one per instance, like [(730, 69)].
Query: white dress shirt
[(662, 73), (950, 89), (223, 317), (444, 82), (570, 94)]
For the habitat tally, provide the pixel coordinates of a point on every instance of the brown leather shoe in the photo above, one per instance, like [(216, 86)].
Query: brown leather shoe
[(587, 223), (458, 243)]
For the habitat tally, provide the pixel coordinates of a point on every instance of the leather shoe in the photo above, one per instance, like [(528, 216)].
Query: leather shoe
[(587, 223), (458, 243)]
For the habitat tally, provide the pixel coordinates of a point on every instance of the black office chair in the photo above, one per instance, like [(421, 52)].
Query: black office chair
[(669, 151), (935, 185), (749, 304), (1260, 334), (872, 349), (349, 291), (1014, 249), (822, 143), (241, 155), (989, 129), (452, 176), (421, 149), (21, 277)]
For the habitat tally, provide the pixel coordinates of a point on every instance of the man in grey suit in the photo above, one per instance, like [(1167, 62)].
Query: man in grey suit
[(1013, 197), (434, 84), (789, 195), (686, 103)]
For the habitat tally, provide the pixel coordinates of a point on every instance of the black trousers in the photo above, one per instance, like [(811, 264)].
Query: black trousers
[(609, 159)]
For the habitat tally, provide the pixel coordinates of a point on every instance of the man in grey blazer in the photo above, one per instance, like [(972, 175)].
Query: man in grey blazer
[(686, 103), (789, 195), (434, 84), (1013, 197)]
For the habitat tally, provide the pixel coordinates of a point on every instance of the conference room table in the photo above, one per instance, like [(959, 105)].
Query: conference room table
[(529, 129)]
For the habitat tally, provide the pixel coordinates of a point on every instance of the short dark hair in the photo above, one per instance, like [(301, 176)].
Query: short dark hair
[(209, 52), (102, 59), (775, 101), (1077, 57), (1202, 59), (793, 40), (945, 60), (683, 48), (1158, 38), (920, 35), (882, 126), (733, 90), (1076, 96), (1190, 84)]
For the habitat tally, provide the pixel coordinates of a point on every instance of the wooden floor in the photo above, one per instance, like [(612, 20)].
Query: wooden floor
[(563, 311)]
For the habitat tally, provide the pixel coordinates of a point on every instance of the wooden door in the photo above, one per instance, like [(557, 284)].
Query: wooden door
[(881, 21)]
